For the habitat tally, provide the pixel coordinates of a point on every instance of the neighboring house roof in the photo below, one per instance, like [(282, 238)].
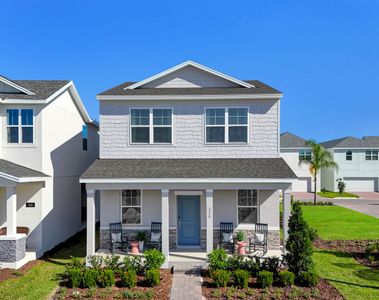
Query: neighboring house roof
[(352, 142), (40, 92), (290, 140), (263, 168), (17, 172)]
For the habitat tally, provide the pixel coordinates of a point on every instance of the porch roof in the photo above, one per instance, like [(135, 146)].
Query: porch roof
[(262, 168), (18, 173)]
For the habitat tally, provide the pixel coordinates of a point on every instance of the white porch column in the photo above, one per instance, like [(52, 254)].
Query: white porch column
[(11, 210), (165, 226), (286, 215), (209, 211), (91, 222)]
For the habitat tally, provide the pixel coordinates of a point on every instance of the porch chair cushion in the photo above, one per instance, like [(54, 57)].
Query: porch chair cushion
[(155, 237), (259, 237), (116, 237), (227, 237)]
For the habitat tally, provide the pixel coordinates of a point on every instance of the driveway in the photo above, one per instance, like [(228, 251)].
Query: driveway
[(367, 204)]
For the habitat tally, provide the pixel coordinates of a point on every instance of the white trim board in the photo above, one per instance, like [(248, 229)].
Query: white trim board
[(16, 86), (189, 97), (187, 180), (186, 64)]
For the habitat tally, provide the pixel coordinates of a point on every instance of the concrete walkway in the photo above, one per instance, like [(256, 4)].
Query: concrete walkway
[(186, 285)]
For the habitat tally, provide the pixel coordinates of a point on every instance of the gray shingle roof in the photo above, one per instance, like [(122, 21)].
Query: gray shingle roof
[(189, 168), (352, 142), (290, 140), (41, 88), (18, 171), (260, 88)]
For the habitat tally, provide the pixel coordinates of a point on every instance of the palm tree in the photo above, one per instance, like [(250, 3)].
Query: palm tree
[(320, 158)]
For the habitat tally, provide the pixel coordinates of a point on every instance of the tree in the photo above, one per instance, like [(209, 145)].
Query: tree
[(319, 158), (299, 243)]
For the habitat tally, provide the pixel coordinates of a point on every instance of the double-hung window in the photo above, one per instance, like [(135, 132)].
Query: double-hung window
[(305, 154), (226, 125), (131, 206), (349, 155), (20, 126), (151, 126), (371, 154), (247, 206)]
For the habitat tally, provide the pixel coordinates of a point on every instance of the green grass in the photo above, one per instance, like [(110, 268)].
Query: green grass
[(339, 223), (41, 280), (329, 194), (353, 280)]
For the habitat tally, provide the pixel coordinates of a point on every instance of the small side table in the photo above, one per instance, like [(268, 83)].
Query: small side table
[(134, 247)]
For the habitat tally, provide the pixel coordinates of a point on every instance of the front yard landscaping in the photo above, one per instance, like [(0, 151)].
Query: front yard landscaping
[(329, 194)]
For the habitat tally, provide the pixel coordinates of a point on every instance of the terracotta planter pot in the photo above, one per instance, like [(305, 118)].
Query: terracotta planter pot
[(134, 247), (241, 247)]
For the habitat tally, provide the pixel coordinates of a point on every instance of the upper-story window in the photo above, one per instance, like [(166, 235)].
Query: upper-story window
[(349, 155), (85, 138), (371, 154), (305, 154), (20, 126), (151, 126), (226, 125)]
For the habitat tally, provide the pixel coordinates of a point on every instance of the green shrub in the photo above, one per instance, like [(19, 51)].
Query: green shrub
[(112, 262), (241, 278), (254, 265), (153, 277), (134, 263), (220, 277), (299, 243), (89, 278), (271, 264), (265, 279), (128, 279), (286, 278), (154, 259), (309, 278), (75, 263), (95, 261), (74, 277), (218, 260), (237, 262), (240, 237), (106, 278)]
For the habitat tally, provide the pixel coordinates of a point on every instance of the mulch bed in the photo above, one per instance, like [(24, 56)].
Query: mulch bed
[(357, 249), (323, 290), (160, 292), (12, 273)]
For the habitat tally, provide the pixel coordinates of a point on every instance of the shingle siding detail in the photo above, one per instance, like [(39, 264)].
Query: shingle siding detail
[(188, 132)]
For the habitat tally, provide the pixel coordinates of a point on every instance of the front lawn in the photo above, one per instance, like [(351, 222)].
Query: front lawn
[(329, 194), (352, 279), (339, 223)]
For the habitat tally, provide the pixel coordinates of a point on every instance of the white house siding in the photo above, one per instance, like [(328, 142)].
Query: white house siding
[(304, 183), (359, 174), (189, 77), (188, 133)]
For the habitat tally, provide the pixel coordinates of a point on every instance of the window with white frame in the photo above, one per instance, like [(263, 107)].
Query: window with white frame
[(151, 126), (247, 206), (305, 154), (371, 154), (349, 155), (20, 126), (131, 206), (226, 125)]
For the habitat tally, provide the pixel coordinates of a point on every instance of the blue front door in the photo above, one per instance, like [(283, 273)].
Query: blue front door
[(189, 220)]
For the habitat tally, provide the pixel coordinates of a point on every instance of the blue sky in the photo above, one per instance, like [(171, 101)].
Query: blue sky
[(323, 55)]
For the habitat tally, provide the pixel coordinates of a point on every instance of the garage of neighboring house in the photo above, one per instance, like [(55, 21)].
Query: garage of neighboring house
[(363, 184), (302, 184)]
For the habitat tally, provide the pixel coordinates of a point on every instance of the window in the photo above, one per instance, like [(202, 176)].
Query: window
[(85, 138), (151, 126), (20, 126), (349, 155), (131, 206), (371, 154), (247, 206), (226, 125), (305, 154)]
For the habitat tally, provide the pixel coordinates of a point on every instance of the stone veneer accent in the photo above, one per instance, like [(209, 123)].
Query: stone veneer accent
[(273, 239), (12, 250)]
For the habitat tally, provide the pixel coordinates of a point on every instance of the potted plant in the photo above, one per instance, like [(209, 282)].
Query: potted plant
[(141, 237), (241, 242)]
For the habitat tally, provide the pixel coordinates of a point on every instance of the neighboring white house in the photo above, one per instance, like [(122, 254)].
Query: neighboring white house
[(47, 141), (358, 164), (292, 148), (190, 148)]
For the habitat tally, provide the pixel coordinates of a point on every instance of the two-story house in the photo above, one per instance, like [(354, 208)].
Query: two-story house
[(292, 149), (358, 164), (189, 147), (47, 140)]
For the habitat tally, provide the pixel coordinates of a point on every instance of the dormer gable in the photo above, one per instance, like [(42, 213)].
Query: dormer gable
[(9, 87)]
